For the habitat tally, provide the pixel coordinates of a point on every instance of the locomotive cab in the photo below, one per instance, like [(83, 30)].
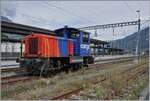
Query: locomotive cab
[(81, 43), (81, 40)]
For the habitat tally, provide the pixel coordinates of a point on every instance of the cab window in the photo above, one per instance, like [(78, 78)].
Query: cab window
[(85, 37)]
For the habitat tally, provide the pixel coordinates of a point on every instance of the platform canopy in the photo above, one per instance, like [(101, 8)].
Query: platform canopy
[(14, 32)]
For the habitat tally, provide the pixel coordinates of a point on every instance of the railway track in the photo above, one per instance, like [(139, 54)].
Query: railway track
[(103, 63), (13, 75), (114, 58), (136, 72), (15, 78), (77, 91), (16, 69), (67, 95), (22, 77)]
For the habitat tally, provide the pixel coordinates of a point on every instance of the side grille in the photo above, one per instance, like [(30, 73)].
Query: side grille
[(33, 46)]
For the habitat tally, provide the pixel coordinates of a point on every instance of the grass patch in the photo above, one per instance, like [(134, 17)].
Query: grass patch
[(114, 87), (46, 88)]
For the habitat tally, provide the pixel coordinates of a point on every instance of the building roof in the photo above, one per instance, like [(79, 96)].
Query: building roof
[(95, 41), (23, 30)]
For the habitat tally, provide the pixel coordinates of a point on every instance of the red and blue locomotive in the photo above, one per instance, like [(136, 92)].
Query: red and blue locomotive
[(69, 48)]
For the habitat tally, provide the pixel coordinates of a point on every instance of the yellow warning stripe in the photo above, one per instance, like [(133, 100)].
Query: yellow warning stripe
[(48, 46), (45, 48)]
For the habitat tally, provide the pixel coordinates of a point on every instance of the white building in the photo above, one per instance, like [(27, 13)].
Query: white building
[(10, 47)]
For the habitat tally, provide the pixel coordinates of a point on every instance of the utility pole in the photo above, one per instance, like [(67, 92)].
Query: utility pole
[(113, 30), (95, 32), (21, 46), (137, 52)]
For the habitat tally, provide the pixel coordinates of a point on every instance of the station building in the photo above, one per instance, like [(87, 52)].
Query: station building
[(12, 33)]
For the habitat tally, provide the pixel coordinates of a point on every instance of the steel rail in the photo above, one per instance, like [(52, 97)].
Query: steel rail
[(76, 91)]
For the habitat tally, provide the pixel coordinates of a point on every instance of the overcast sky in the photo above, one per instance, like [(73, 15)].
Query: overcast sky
[(56, 14)]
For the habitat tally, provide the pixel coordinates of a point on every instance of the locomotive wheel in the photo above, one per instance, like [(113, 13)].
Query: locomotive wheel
[(45, 74), (35, 73), (74, 67), (77, 67), (80, 66), (86, 62), (65, 68), (29, 69)]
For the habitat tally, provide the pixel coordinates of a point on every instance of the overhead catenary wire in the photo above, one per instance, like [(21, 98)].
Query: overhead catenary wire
[(36, 18), (130, 8), (68, 12), (58, 7)]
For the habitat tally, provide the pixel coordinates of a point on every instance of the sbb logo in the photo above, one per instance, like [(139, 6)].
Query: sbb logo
[(84, 46)]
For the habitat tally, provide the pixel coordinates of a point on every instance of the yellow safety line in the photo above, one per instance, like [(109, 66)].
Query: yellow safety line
[(45, 48), (48, 46)]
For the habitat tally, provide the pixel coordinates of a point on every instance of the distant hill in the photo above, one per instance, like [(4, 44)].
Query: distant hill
[(129, 43), (5, 19)]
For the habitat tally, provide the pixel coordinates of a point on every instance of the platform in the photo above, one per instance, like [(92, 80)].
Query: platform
[(9, 64), (13, 63), (107, 57)]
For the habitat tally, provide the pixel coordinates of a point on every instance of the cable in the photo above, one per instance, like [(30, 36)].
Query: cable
[(128, 6), (67, 11), (34, 19)]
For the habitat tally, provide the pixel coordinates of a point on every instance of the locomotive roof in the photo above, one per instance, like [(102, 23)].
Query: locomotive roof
[(70, 29)]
